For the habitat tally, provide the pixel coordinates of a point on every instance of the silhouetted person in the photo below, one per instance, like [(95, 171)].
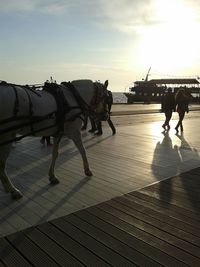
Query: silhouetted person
[(109, 102), (92, 122), (168, 106), (46, 139), (181, 104), (99, 126), (85, 122), (93, 125)]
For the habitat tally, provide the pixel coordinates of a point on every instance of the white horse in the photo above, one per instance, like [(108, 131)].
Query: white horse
[(54, 111)]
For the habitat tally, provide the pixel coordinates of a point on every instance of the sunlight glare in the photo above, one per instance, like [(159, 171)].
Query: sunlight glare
[(155, 129), (172, 42)]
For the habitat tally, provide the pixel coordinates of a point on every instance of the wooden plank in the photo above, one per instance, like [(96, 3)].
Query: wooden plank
[(135, 244), (107, 254), (180, 185), (78, 251), (174, 211), (62, 257), (191, 178), (143, 235), (11, 256), (30, 251), (165, 193), (156, 219), (181, 193), (151, 226), (111, 242), (181, 188), (175, 204), (158, 212)]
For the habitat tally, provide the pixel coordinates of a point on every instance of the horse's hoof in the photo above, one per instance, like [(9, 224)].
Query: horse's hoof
[(16, 194), (88, 172), (53, 180)]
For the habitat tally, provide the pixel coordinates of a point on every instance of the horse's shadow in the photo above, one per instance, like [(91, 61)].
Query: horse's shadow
[(40, 173), (41, 156), (66, 149), (48, 214), (64, 199), (50, 211)]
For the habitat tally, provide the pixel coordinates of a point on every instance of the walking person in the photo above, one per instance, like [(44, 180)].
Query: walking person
[(109, 102), (181, 104), (85, 122), (92, 122), (168, 106), (99, 126), (46, 139)]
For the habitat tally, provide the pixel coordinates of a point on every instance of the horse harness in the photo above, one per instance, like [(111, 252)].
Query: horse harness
[(62, 107)]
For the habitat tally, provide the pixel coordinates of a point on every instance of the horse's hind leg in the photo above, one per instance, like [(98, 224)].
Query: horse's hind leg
[(52, 177), (76, 137), (7, 184)]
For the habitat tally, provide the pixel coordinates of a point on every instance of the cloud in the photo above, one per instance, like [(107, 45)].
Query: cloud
[(114, 11), (122, 15), (128, 14), (39, 6), (13, 6), (79, 7)]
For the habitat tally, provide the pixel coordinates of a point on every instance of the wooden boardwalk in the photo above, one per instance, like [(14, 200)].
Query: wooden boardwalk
[(130, 213), (156, 226), (137, 156)]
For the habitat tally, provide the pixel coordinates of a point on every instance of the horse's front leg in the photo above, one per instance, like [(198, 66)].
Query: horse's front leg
[(52, 178), (76, 137), (7, 184)]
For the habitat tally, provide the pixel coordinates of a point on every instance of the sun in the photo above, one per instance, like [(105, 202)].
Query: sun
[(172, 42)]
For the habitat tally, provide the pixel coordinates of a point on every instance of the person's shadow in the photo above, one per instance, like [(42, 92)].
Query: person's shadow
[(190, 179), (165, 164)]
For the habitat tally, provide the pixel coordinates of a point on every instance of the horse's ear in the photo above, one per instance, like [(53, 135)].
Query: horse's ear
[(106, 84)]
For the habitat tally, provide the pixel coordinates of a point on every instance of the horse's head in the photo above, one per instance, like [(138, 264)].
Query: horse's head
[(90, 96)]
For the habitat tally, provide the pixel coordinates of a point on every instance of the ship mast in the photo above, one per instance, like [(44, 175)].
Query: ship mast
[(146, 79)]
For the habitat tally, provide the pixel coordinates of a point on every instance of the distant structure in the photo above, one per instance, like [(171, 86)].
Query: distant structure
[(152, 91)]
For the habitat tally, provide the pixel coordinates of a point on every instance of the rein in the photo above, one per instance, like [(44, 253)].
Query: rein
[(85, 107)]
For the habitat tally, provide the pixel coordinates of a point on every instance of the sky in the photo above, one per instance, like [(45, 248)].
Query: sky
[(118, 40)]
